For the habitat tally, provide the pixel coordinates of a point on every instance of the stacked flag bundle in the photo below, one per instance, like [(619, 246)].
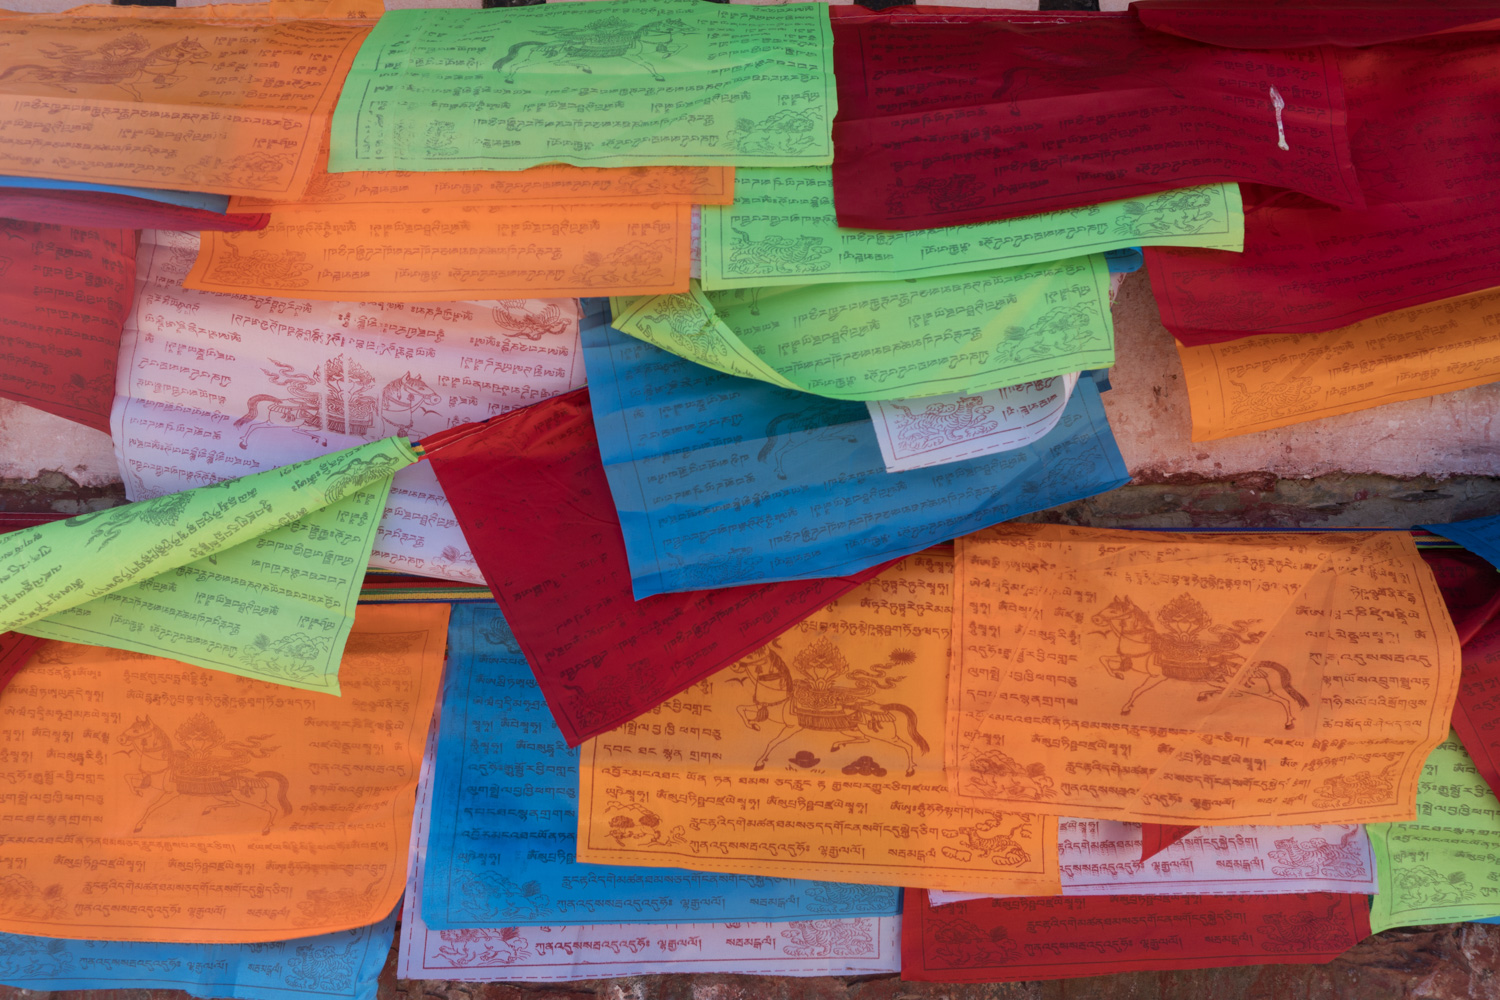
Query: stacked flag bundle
[(575, 454)]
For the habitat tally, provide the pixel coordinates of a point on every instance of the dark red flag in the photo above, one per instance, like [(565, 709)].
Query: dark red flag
[(530, 494), (106, 209), (1281, 24)]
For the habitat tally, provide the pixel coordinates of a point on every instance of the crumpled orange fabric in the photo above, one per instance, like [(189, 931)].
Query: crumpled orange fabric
[(1186, 678), (147, 800)]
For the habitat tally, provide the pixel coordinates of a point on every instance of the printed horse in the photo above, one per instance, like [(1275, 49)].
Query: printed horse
[(778, 700), (606, 39), (1210, 660), (298, 411), (125, 63), (198, 771), (402, 400)]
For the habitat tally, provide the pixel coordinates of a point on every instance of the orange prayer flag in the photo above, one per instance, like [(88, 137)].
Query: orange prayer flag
[(818, 756), (1166, 677), (1256, 383), (155, 801), (170, 102), (554, 184), (437, 254)]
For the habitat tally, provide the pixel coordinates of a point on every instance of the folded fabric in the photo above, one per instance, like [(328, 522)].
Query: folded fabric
[(218, 385), (1279, 679), (817, 756), (1256, 383), (345, 965), (734, 86), (505, 815), (105, 209), (1481, 536), (875, 340), (256, 576), (1430, 230), (1278, 24), (159, 802), (64, 296), (1099, 858), (1157, 837), (821, 947), (171, 102), (1476, 715), (1009, 940), (399, 254), (953, 118), (17, 648), (937, 430), (722, 481), (530, 493), (782, 230), (1437, 869), (200, 200)]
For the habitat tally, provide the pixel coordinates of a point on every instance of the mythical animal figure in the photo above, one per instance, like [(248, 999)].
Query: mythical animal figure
[(943, 423), (827, 695), (300, 410), (987, 840), (995, 774), (1190, 648), (786, 132), (126, 61), (472, 947), (777, 254), (1288, 395), (607, 38), (280, 268), (1305, 931), (1170, 214), (403, 400), (1316, 857), (109, 524), (516, 319), (1044, 336), (822, 420), (22, 956), (828, 938), (636, 826), (639, 262), (946, 194), (1419, 885), (960, 942), (492, 896), (207, 765), (23, 898), (1341, 791), (322, 967)]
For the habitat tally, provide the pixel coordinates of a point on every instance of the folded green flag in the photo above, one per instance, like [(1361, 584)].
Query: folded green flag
[(782, 230), (255, 576), (1440, 868), (872, 340)]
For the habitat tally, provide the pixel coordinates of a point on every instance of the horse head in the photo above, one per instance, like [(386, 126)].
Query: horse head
[(145, 736), (671, 26), (1119, 613), (411, 390)]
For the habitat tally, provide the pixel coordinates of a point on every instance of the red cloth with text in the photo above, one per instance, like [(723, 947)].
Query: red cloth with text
[(953, 118), (1157, 837), (64, 296), (1424, 123), (1284, 24), (1064, 937), (529, 491), (106, 209)]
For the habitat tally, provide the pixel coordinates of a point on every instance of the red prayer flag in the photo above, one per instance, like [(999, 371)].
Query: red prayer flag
[(530, 494), (1424, 122), (64, 295), (953, 118), (1064, 937), (1471, 589), (106, 209), (1279, 24), (1157, 837)]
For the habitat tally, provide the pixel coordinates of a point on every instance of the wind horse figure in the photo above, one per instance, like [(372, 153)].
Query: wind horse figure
[(207, 766), (816, 700), (1189, 648), (608, 38)]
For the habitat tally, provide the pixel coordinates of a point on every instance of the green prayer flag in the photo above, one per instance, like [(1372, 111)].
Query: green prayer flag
[(255, 576), (1441, 867), (873, 340), (782, 230), (607, 84)]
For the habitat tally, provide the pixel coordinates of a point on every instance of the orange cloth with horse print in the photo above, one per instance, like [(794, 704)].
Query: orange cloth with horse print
[(818, 756), (232, 106), (1175, 677), (149, 800)]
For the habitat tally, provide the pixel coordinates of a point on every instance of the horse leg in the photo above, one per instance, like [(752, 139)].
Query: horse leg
[(153, 807), (853, 740), (787, 729), (1146, 685), (219, 803), (640, 60), (1115, 666), (309, 433), (1270, 695)]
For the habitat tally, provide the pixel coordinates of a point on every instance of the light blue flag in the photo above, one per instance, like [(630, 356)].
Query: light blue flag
[(344, 965), (500, 852), (1480, 536), (186, 199), (722, 481)]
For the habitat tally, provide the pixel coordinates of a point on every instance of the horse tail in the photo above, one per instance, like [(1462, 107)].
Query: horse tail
[(911, 725), (514, 51), (1285, 677), (282, 784), (17, 68), (250, 406), (773, 429)]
